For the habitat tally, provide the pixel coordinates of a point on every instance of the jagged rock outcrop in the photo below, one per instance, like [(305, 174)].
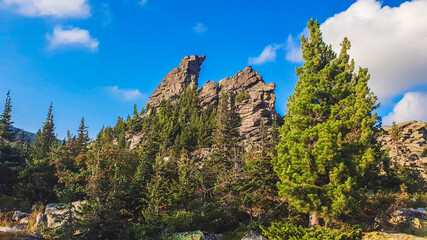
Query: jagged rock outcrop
[(176, 81), (255, 98), (409, 147)]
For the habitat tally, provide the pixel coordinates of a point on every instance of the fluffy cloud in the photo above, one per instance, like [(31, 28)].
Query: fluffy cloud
[(411, 107), (55, 8), (267, 55), (200, 28), (293, 50), (125, 94), (390, 42), (72, 37)]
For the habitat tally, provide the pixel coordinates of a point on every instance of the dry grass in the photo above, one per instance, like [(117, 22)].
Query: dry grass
[(31, 227), (6, 219)]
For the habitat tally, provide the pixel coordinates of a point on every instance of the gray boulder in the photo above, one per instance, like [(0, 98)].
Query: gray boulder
[(253, 236), (18, 215), (56, 213)]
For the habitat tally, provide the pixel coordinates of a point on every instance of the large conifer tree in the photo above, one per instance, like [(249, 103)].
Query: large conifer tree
[(328, 151), (38, 179), (6, 132), (83, 134), (45, 138)]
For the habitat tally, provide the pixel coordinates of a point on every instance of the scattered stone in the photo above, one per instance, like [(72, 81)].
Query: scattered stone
[(253, 236), (23, 220), (407, 218), (220, 236), (14, 233), (389, 236), (41, 221), (18, 215), (196, 235), (55, 213), (408, 212)]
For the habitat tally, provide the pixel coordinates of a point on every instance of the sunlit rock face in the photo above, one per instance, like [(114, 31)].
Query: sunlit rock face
[(255, 99), (177, 80)]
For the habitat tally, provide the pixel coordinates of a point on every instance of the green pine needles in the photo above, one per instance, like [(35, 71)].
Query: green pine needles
[(328, 151)]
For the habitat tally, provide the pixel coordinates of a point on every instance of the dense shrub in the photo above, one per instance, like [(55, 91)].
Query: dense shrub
[(285, 230)]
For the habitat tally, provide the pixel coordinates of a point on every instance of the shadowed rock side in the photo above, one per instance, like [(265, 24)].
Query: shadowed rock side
[(255, 100), (410, 147), (176, 81)]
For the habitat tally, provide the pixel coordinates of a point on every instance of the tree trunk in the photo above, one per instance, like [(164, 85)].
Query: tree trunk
[(313, 220)]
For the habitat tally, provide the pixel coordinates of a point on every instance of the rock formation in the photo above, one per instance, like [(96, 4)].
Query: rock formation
[(257, 99), (409, 147), (176, 81)]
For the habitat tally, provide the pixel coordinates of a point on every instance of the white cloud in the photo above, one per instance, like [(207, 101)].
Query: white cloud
[(293, 47), (72, 37), (125, 94), (200, 28), (390, 42), (267, 55), (293, 51), (54, 8), (411, 107)]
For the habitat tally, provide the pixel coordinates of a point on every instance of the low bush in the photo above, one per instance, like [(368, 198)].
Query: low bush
[(285, 230)]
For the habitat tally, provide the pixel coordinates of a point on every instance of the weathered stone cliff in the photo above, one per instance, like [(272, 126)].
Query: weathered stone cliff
[(257, 99), (409, 146), (176, 81)]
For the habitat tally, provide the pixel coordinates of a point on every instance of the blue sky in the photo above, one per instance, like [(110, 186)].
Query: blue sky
[(97, 58)]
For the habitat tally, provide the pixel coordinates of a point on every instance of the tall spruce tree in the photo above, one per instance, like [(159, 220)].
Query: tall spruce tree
[(6, 132), (328, 151), (11, 157), (83, 134), (225, 161), (37, 180), (45, 138)]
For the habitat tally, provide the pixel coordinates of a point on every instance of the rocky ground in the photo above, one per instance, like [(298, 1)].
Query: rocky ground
[(390, 236)]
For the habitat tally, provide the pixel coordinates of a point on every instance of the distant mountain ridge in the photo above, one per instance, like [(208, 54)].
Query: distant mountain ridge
[(28, 135)]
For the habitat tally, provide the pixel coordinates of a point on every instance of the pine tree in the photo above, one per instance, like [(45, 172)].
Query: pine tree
[(37, 180), (45, 138), (258, 187), (328, 151), (69, 137), (6, 132), (22, 138), (135, 112), (224, 167), (83, 135), (226, 136), (11, 157)]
